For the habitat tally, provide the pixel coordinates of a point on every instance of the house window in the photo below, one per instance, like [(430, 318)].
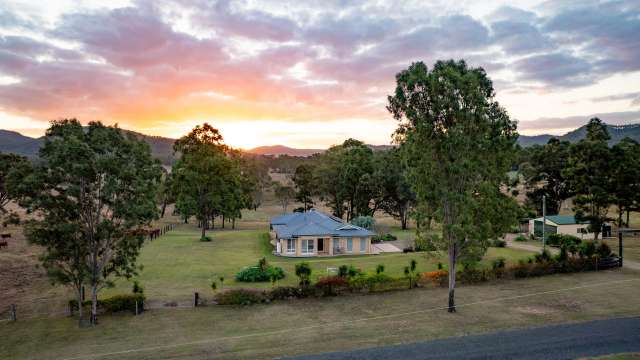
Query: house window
[(336, 246), (363, 244), (291, 246), (307, 246), (349, 244), (583, 230)]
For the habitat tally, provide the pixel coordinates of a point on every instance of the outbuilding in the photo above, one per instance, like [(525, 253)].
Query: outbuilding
[(565, 224)]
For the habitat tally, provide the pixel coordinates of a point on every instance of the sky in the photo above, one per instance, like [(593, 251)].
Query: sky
[(307, 74)]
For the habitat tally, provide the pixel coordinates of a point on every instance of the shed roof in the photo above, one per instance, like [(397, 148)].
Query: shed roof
[(314, 223), (563, 220)]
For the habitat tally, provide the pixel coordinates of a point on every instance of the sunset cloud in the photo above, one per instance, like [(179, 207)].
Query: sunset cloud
[(163, 66)]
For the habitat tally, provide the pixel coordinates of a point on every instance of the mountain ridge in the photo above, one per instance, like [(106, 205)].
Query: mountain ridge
[(162, 147)]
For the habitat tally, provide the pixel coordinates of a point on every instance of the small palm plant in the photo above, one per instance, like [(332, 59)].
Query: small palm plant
[(303, 272), (410, 273)]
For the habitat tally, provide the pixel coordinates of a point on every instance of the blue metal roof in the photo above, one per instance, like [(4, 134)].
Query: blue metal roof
[(314, 223)]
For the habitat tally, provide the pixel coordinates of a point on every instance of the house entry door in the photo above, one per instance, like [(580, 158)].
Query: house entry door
[(320, 245)]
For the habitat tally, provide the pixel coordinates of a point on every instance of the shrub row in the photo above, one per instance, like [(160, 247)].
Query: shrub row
[(539, 265), (116, 303), (325, 286)]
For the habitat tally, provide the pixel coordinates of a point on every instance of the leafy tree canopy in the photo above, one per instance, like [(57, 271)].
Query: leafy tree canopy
[(459, 144)]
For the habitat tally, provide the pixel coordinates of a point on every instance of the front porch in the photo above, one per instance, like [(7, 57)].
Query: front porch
[(318, 246)]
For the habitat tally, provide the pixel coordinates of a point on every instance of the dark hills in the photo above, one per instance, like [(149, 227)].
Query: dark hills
[(162, 147)]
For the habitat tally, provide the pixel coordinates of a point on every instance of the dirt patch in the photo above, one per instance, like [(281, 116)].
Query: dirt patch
[(535, 310)]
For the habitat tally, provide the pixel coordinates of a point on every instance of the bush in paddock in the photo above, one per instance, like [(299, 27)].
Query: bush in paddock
[(366, 222), (498, 243), (560, 240), (116, 303), (470, 274), (520, 238), (260, 273), (385, 237), (603, 250), (137, 288)]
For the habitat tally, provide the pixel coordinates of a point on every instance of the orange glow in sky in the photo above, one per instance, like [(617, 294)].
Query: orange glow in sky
[(306, 74)]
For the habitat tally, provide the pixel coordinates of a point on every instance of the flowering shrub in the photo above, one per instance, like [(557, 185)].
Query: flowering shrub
[(438, 277), (330, 285)]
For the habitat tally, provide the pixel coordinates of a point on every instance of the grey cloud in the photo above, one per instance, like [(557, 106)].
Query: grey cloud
[(557, 69), (132, 38), (623, 96), (517, 37), (606, 31), (614, 118), (252, 24)]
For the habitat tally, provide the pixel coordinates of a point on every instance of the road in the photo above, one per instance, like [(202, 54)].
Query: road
[(568, 341)]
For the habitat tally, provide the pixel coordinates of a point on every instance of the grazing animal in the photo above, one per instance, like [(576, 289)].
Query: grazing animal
[(5, 236), (3, 244)]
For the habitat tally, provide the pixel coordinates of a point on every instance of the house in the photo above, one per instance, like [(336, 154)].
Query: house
[(565, 224), (314, 233)]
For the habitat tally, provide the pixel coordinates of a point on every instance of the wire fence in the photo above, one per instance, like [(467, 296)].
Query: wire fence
[(51, 307)]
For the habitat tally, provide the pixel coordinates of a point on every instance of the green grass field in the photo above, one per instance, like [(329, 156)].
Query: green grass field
[(296, 327), (177, 264)]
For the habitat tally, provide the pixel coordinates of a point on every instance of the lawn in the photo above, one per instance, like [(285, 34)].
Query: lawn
[(631, 247), (296, 327), (177, 264)]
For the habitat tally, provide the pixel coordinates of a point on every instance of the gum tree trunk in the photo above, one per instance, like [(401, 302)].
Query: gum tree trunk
[(79, 299), (94, 305), (452, 277)]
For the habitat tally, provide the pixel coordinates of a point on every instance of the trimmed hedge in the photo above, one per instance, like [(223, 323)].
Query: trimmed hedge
[(241, 297), (116, 303), (285, 293), (256, 274)]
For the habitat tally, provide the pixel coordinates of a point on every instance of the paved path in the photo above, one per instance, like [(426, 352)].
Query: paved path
[(569, 341), (385, 248)]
